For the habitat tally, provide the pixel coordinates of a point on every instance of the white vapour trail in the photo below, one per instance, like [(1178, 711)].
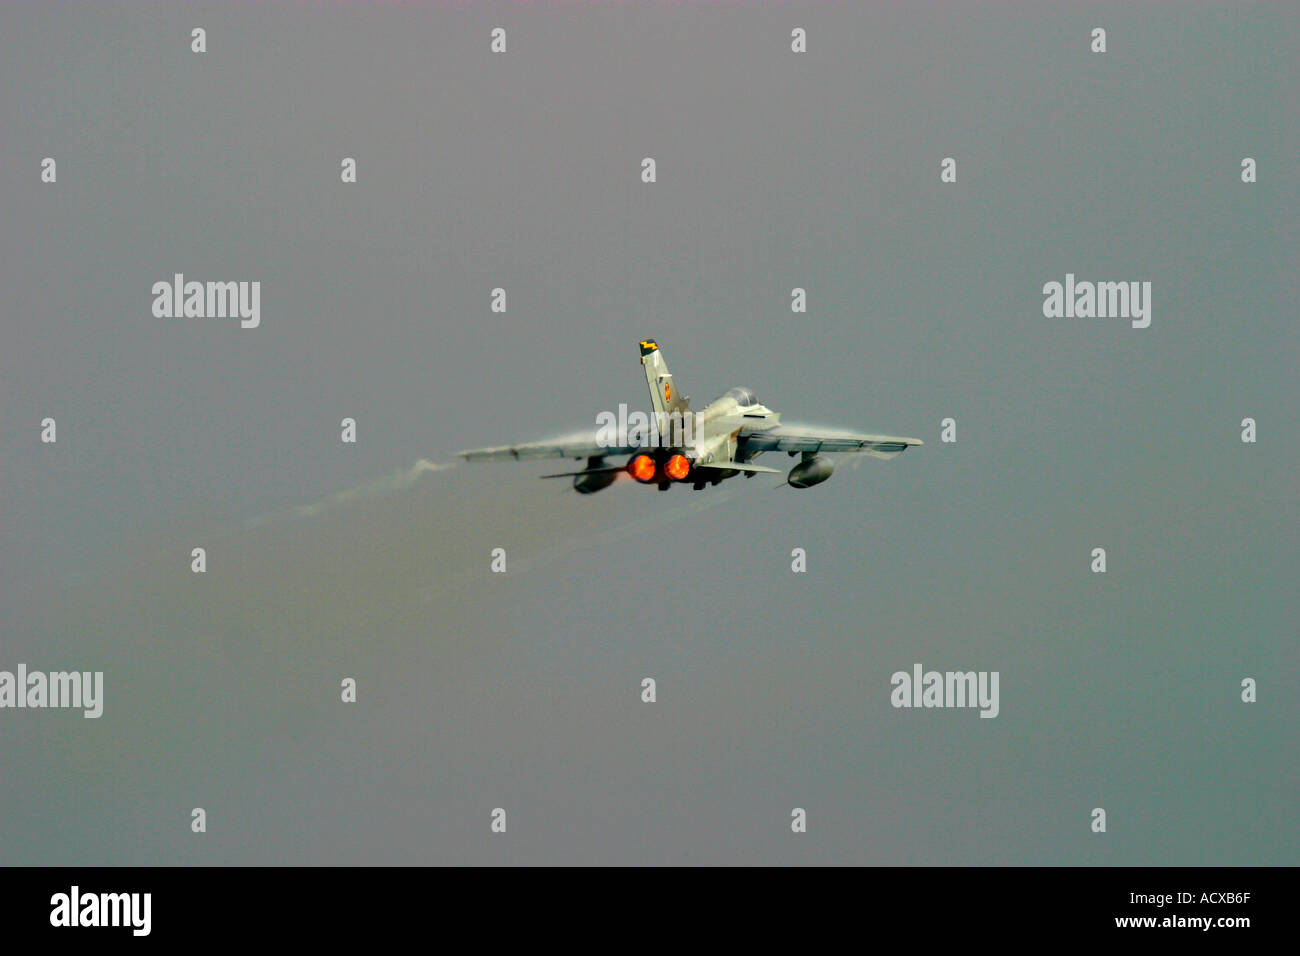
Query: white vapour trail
[(380, 486)]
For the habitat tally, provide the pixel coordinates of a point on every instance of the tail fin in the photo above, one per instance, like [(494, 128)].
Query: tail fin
[(663, 393)]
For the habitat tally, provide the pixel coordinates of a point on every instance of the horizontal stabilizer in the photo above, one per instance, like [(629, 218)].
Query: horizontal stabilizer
[(736, 466)]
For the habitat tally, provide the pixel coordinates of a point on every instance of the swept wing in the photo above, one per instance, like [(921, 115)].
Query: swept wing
[(807, 438)]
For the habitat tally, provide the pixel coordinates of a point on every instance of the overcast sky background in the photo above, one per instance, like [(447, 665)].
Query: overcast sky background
[(522, 690)]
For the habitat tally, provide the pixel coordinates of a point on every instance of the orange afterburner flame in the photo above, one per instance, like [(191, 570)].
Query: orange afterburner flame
[(642, 468), (678, 467)]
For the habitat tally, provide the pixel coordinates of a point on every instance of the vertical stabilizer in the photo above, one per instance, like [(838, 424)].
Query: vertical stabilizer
[(663, 391)]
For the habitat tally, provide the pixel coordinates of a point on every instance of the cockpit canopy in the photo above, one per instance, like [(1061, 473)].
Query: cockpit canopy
[(743, 396)]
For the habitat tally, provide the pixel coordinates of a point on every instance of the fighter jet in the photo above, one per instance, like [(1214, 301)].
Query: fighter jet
[(679, 446)]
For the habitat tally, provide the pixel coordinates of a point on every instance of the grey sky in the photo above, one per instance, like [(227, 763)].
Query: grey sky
[(775, 170)]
